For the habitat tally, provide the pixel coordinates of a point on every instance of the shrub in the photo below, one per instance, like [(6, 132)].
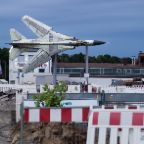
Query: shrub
[(51, 96)]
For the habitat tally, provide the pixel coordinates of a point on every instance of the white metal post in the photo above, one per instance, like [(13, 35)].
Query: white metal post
[(21, 122)]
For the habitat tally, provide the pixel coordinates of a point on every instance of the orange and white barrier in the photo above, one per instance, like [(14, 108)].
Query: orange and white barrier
[(130, 122)]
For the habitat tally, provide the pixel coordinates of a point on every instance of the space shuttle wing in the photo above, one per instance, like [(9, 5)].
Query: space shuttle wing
[(39, 28)]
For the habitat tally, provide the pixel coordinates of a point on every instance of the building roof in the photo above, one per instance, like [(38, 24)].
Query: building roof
[(97, 65)]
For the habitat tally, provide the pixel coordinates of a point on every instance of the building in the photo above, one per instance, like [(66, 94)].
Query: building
[(101, 70), (141, 58), (43, 74), (16, 76), (135, 69)]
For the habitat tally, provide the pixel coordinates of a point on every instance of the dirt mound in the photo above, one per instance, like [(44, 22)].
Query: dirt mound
[(52, 133)]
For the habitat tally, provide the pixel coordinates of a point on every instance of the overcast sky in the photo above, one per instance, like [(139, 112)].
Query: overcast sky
[(118, 22)]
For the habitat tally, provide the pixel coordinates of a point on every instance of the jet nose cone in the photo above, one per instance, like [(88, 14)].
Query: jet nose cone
[(97, 42)]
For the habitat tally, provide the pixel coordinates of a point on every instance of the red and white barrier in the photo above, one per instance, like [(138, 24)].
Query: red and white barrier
[(125, 123), (56, 115), (117, 118), (130, 122), (71, 114)]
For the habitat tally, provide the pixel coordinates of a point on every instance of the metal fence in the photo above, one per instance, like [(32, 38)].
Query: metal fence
[(105, 97), (122, 98)]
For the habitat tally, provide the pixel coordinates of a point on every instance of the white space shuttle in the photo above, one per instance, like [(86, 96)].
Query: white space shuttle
[(47, 44)]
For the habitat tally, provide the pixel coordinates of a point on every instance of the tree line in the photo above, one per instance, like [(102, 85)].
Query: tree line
[(80, 58), (4, 62)]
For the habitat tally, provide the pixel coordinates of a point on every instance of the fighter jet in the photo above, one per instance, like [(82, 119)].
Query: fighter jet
[(43, 54), (48, 42)]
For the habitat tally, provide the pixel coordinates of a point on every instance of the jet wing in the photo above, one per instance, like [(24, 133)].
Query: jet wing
[(39, 28), (38, 59), (14, 52), (43, 55), (43, 30)]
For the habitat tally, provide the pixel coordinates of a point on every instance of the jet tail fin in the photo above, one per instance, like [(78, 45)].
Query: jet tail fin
[(39, 28), (15, 35)]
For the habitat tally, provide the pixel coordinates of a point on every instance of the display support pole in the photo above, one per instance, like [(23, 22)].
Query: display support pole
[(55, 69), (87, 67), (21, 122)]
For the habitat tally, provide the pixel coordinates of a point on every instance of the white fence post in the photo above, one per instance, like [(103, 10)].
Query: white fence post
[(114, 134), (124, 136), (102, 135)]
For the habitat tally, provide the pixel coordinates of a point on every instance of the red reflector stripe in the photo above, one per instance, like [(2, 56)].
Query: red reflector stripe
[(44, 115), (26, 115), (115, 118), (95, 118), (138, 119), (85, 113), (66, 115)]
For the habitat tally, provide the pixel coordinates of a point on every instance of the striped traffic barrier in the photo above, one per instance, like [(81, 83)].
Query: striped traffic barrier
[(125, 124), (46, 115), (73, 114)]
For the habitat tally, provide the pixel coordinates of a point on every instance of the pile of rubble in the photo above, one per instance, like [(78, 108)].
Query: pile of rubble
[(7, 117), (37, 133), (8, 95)]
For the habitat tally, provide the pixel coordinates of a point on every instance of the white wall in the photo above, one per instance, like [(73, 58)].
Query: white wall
[(19, 78)]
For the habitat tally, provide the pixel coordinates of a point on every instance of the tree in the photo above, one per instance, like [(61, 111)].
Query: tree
[(108, 59), (63, 58), (51, 97), (92, 59), (80, 58), (100, 59), (4, 61), (115, 59), (77, 58)]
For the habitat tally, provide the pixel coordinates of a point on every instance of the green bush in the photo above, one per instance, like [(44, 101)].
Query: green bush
[(51, 97)]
